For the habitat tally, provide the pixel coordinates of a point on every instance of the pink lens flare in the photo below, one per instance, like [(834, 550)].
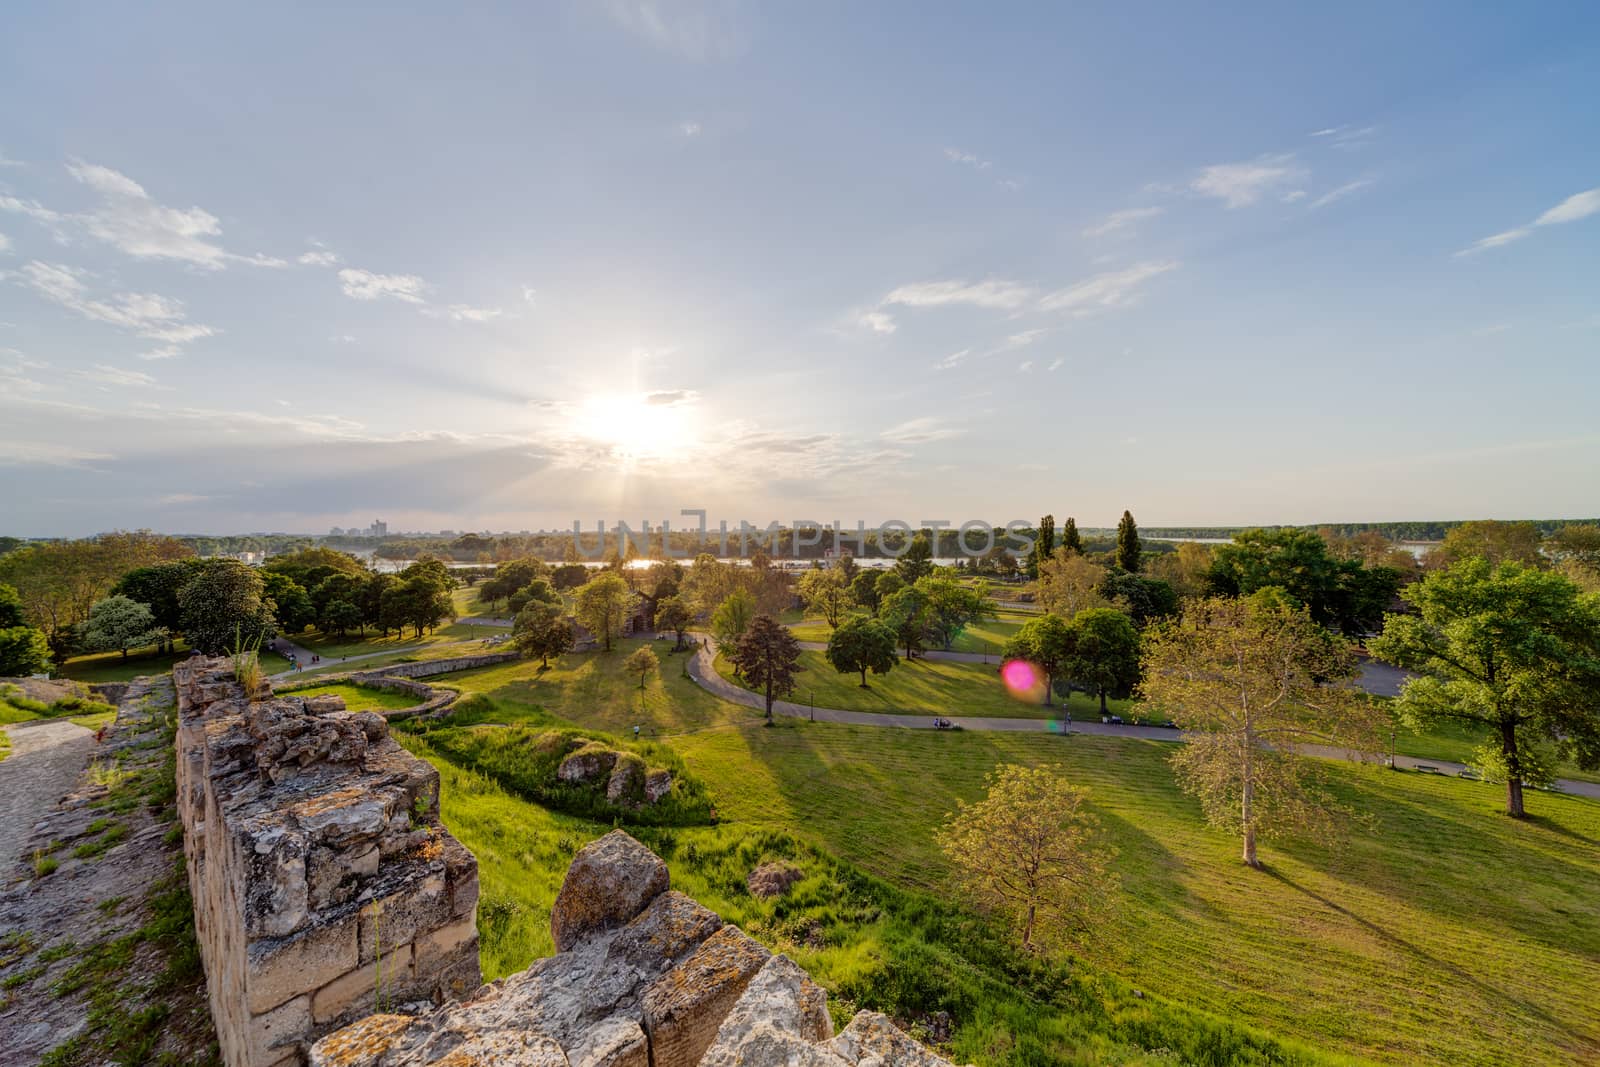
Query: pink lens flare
[(1018, 675)]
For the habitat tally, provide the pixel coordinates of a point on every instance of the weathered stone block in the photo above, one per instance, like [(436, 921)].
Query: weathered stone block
[(269, 1036), (610, 881), (657, 784), (684, 1008), (397, 918), (277, 970), (782, 998), (589, 763), (391, 979), (872, 1040)]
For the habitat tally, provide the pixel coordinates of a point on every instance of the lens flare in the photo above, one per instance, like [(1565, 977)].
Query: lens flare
[(1023, 680)]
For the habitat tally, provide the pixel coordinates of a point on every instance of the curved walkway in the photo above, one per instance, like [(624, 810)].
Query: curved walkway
[(47, 755), (702, 668)]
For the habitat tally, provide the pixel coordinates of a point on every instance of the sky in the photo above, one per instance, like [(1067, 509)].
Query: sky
[(286, 267)]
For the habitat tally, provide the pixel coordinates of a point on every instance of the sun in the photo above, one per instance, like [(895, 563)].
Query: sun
[(636, 426)]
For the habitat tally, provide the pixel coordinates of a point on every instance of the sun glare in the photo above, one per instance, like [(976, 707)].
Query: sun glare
[(634, 427)]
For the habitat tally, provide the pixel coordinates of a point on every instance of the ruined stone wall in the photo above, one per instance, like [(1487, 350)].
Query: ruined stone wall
[(424, 668), (430, 701), (324, 885), (643, 977)]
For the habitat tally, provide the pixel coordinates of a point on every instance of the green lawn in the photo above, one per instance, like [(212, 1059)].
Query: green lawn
[(354, 644), (111, 667), (1443, 932), (987, 637), (359, 697), (1457, 741), (925, 687)]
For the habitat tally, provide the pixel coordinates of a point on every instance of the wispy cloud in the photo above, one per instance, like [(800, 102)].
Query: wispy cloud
[(1242, 184), (690, 129), (148, 315), (1346, 137), (5, 243), (1335, 195), (920, 431), (953, 360), (464, 313), (104, 374), (30, 208), (878, 322), (320, 258), (957, 155), (128, 219), (1104, 292), (1574, 208), (690, 29), (1122, 220), (365, 285), (1055, 364), (1004, 295), (1025, 367)]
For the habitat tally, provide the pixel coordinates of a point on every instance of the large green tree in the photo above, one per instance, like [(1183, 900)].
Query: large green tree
[(917, 561), (292, 606), (906, 613), (768, 657), (864, 589), (1103, 654), (862, 644), (1044, 545), (826, 592), (603, 604), (541, 629), (11, 613), (1508, 647), (224, 605), (674, 614), (1045, 642), (1340, 593), (1071, 540), (120, 623), (1251, 681), (1130, 551), (950, 607), (733, 616), (23, 651)]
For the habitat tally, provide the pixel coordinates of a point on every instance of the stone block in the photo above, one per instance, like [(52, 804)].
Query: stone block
[(871, 1040), (684, 1008), (277, 970), (610, 881), (272, 1035), (400, 917), (394, 978), (781, 997)]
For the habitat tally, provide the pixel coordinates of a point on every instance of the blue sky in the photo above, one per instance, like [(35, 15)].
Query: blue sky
[(503, 267)]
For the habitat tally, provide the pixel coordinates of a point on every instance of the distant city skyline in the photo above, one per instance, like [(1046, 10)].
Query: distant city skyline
[(1220, 266)]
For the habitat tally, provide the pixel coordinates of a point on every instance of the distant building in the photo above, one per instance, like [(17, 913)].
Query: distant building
[(335, 532), (379, 528), (447, 533)]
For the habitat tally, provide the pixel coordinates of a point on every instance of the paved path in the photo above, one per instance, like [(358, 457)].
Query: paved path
[(47, 755), (1379, 679), (702, 668)]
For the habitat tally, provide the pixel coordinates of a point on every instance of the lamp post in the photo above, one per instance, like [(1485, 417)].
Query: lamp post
[(811, 697)]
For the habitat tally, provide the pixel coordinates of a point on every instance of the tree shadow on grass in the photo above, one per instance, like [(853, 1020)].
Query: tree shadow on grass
[(1588, 1042)]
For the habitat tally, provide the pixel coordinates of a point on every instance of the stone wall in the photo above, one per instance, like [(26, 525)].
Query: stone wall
[(424, 668), (643, 977), (430, 701), (324, 885)]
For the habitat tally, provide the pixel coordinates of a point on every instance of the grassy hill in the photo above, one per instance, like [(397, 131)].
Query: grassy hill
[(1441, 932)]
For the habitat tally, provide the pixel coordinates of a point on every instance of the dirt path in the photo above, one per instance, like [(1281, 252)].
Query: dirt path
[(46, 758)]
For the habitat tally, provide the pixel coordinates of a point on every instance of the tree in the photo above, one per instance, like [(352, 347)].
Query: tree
[(308, 566), (1129, 549), (1490, 539), (1044, 545), (1248, 682), (370, 601), (1509, 647), (118, 622), (906, 614), (707, 583), (673, 614), (767, 657), (1070, 583), (292, 607), (1184, 569), (603, 605), (1071, 540), (1045, 642), (1145, 599), (1029, 853), (950, 607), (864, 589), (1576, 549), (826, 593), (59, 581), (222, 604), (733, 617), (569, 575), (11, 613), (541, 629), (916, 562), (1103, 652), (538, 589), (1339, 593), (862, 644), (643, 662), (511, 578), (23, 651), (419, 600), (848, 567), (342, 616)]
